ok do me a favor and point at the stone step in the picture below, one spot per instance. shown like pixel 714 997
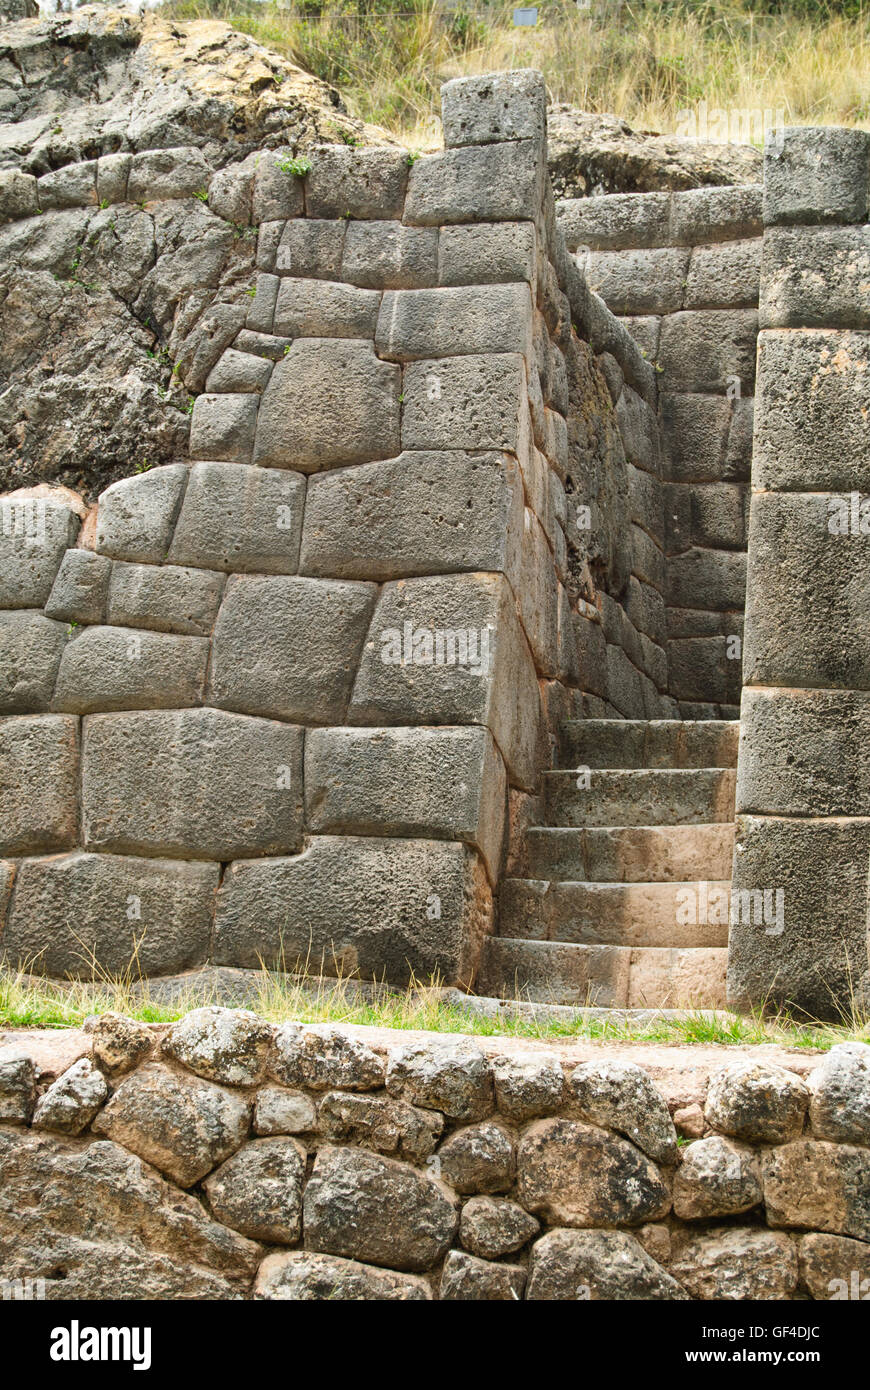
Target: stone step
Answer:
pixel 674 743
pixel 615 914
pixel 631 854
pixel 616 977
pixel 641 796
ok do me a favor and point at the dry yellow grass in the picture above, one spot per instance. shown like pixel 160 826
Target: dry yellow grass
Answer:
pixel 645 60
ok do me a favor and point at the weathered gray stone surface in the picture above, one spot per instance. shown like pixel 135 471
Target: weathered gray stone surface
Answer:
pixel 225 1045
pixel 468 1279
pixel 17 1085
pixel 476 183
pixel 446 783
pixel 35 533
pixel 493 1226
pixel 289 648
pixel 258 1191
pixel 389 1126
pixel 121 668
pixel 71 908
pixel 840 1094
pixel 324 910
pixel 317 309
pixel 198 784
pixel 240 519
pixel 493 107
pixel 733 1263
pixel 321 1056
pixel 817 175
pixel 757 1103
pixel 31 648
pixel 390 256
pixel 596 1265
pixel 574 1174
pixel 223 426
pixel 328 403
pixel 708 349
pixel 80 589
pixel 716 1178
pixel 183 1126
pixel 136 515
pixel 118 1043
pixel 239 371
pixel 470 402
pixel 278 1110
pixel 619 1095
pixel 452 1075
pixel 357 183
pixel 454 321
pixel 527 1086
pixel 165 598
pixel 485 252
pixel 816 1184
pixel 816 277
pixel 303 1276
pixel 39 785
pixel 834 1267
pixel 478 1158
pixel 787 768
pixel 71 1101
pixel 362 1206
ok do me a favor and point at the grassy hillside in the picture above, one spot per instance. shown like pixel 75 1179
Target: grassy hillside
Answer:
pixel 648 61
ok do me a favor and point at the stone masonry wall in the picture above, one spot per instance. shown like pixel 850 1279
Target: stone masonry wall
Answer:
pixel 682 272
pixel 802 791
pixel 227 1158
pixel 288 697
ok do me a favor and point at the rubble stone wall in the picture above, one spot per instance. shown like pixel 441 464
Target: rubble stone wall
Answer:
pixel 682 270
pixel 286 697
pixel 228 1158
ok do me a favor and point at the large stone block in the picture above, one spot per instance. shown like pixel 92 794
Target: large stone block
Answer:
pixel 73 913
pixel 615 220
pixel 320 309
pixel 726 276
pixel 164 598
pixel 597 1265
pixel 239 371
pixel 799 753
pixel 701 216
pixel 197 784
pixel 34 534
pixel 818 961
pixel 420 513
pixel 223 426
pixel 494 106
pixel 431 783
pixel 107 668
pixel 815 277
pixel 812 430
pixel 695 432
pixel 79 593
pixel 175 173
pixel 709 350
pixel 820 1185
pixel 578 1175
pixel 449 650
pixel 700 668
pixel 240 519
pixel 817 174
pixel 477 183
pixel 277 192
pixel 311 247
pixel 473 402
pixel 714 579
pixel 303 1276
pixel 390 256
pixel 329 403
pixel 456 320
pixel 639 282
pixel 485 253
pixel 39 757
pixel 808 600
pixel 31 648
pixel 381 908
pixel 289 648
pixel 136 515
pixel 345 181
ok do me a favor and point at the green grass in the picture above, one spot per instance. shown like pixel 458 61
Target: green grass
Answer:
pixel 27 1002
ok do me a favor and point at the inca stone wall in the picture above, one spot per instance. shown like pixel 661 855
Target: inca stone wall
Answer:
pixel 285 698
pixel 228 1158
pixel 802 793
pixel 682 272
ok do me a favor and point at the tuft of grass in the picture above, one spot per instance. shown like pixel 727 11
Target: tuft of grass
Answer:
pixel 644 60
pixel 27 1001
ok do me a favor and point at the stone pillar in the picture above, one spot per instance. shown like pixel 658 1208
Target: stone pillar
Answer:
pixel 803 787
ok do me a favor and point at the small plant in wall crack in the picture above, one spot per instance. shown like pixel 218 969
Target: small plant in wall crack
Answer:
pixel 298 165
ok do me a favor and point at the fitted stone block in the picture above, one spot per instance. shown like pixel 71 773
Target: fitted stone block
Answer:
pixel 320 309
pixel 223 427
pixel 75 185
pixel 31 648
pixel 798 752
pixel 639 432
pixel 473 402
pixel 105 668
pixel 711 515
pixel 818 962
pixel 34 534
pixel 72 911
pixel 277 192
pixel 726 276
pixel 817 174
pixel 289 648
pixel 80 590
pixel 639 282
pixel 457 320
pixel 808 614
pixel 695 432
pixel 699 216
pixel 449 650
pixel 175 173
pixel 261 314
pixel 17 195
pixel 709 350
pixel 615 220
pixel 815 277
pixel 477 183
pixel 164 598
pixel 329 403
pixel 431 783
pixel 345 181
pixel 813 411
pixel 39 758
pixel 700 668
pixel 485 253
pixel 240 519
pixel 494 106
pixel 713 579
pixel 266 345
pixel 136 515
pixel 380 908
pixel 196 784
pixel 420 513
pixel 390 256
pixel 311 247
pixel 239 371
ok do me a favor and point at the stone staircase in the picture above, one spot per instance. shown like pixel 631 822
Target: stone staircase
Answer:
pixel 636 813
